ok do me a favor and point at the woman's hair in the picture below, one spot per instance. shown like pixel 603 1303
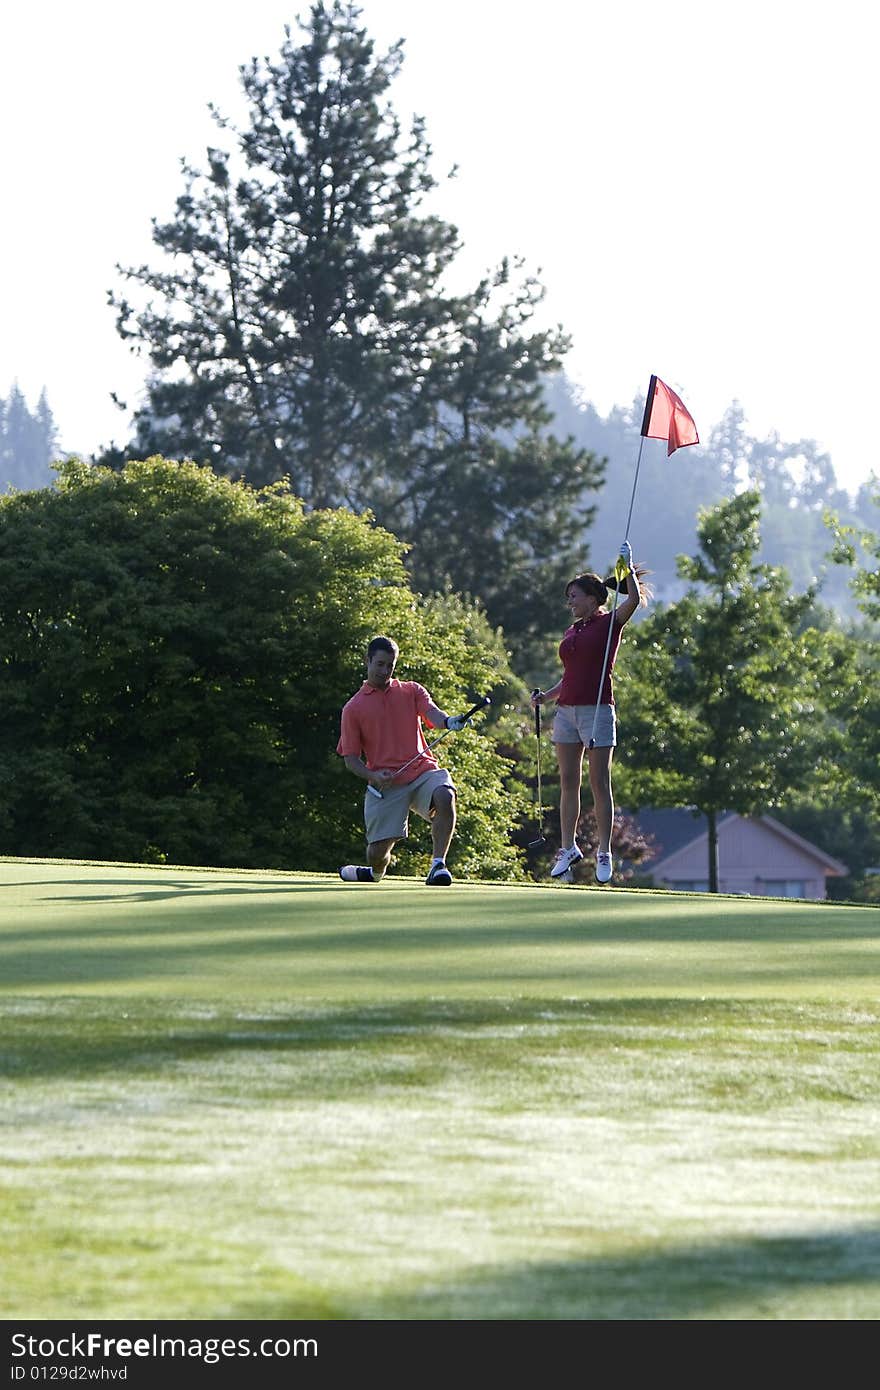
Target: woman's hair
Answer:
pixel 592 585
pixel 599 588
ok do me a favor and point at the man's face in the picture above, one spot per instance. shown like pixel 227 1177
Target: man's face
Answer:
pixel 380 669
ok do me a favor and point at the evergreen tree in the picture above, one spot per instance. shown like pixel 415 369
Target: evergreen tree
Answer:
pixel 304 332
pixel 28 443
pixel 47 430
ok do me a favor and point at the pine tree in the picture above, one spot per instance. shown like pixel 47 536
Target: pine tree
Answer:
pixel 304 330
pixel 47 430
pixel 27 443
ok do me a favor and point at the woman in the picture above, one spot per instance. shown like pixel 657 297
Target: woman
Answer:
pixel 583 721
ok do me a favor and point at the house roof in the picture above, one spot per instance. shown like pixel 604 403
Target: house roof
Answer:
pixel 832 866
pixel 674 828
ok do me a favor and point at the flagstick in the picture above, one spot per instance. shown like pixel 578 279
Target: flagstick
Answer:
pixel 604 668
pixel 635 484
pixel 632 499
pixel 678 429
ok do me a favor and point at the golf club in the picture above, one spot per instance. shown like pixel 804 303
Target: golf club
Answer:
pixel 542 839
pixel 481 704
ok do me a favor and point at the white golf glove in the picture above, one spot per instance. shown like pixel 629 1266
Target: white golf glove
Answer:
pixel 626 554
pixel 456 722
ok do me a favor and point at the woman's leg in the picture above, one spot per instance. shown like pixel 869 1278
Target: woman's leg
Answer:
pixel 603 800
pixel 570 757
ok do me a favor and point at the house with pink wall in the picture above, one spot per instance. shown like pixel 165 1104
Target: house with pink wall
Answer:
pixel 756 855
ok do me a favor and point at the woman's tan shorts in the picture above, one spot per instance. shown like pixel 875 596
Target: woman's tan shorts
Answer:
pixel 574 724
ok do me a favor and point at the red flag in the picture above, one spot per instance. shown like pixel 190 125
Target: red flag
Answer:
pixel 666 417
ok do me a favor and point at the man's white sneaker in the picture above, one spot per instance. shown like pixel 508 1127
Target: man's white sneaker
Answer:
pixel 356 873
pixel 604 868
pixel 564 860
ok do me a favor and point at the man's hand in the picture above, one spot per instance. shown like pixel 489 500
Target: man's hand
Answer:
pixel 456 722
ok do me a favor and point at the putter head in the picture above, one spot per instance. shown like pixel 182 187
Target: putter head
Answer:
pixel 537 844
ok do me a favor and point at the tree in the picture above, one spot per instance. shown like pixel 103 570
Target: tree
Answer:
pixel 304 330
pixel 848 540
pixel 859 704
pixel 175 650
pixel 838 805
pixel 503 531
pixel 866 505
pixel 722 689
pixel 27 442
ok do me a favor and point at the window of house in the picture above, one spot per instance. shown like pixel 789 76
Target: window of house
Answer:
pixel 784 888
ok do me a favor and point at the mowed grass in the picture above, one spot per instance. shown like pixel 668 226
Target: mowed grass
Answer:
pixel 253 1095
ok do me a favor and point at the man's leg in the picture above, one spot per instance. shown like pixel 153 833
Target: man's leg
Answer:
pixel 442 827
pixel 442 821
pixel 379 856
pixel 378 859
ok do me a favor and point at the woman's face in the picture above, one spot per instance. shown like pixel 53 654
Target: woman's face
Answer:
pixel 581 605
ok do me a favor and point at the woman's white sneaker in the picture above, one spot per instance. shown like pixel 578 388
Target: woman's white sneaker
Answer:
pixel 564 860
pixel 604 868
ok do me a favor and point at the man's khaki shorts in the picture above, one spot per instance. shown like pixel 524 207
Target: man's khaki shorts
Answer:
pixel 574 724
pixel 388 818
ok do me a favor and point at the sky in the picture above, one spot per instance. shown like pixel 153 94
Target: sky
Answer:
pixel 693 184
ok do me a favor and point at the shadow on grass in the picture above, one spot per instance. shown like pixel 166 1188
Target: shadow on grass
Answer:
pixel 742 1278
pixel 318 952
pixel 356 925
pixel 165 889
pixel 195 890
pixel 42 1038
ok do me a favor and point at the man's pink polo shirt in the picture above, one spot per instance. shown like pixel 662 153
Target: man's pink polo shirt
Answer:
pixel 385 726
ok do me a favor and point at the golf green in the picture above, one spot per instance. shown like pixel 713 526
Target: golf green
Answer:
pixel 263 1095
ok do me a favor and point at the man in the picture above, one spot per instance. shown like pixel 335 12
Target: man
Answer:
pixel 383 744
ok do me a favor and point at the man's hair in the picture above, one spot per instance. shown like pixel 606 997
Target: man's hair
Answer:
pixel 382 644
